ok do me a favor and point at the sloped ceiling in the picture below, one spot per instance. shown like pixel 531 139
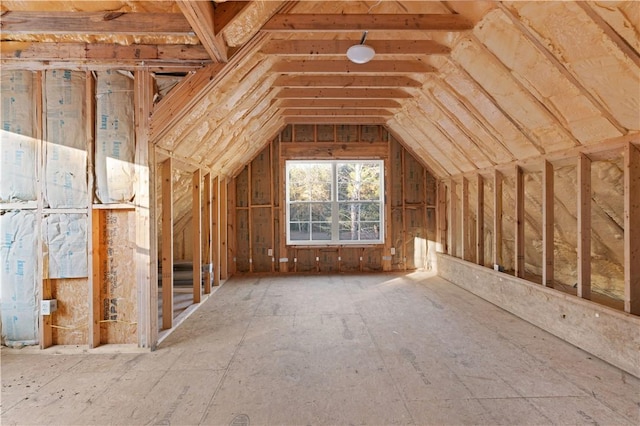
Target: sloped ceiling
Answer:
pixel 465 85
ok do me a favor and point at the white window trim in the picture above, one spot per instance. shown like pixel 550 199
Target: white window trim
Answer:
pixel 335 203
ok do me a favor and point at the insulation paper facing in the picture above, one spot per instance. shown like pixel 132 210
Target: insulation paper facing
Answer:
pixel 66 241
pixel 17 145
pixel 115 137
pixel 18 290
pixel 65 166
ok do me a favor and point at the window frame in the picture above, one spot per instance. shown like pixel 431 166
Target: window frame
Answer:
pixel 335 204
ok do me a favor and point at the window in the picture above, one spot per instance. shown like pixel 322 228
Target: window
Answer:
pixel 335 202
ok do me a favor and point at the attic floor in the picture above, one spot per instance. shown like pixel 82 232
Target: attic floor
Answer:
pixel 339 349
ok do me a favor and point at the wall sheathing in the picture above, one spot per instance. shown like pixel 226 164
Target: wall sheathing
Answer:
pixel 260 195
pixel 52 214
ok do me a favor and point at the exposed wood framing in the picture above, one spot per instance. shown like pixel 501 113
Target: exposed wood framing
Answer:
pixel 145 257
pixel 96 277
pixel 282 190
pixel 326 66
pixel 215 228
pixel 328 150
pixel 196 222
pixel 632 229
pixel 335 93
pixel 337 103
pixel 452 227
pixel 480 221
pixel 547 224
pixel 339 47
pixel 167 244
pixel 584 226
pixel 519 223
pixel 200 15
pixel 206 233
pixel 340 112
pixel 497 218
pixel 93 216
pixel 441 217
pixel 336 120
pixel 359 22
pixel 465 220
pixel 345 81
pixel 231 226
pixel 223 215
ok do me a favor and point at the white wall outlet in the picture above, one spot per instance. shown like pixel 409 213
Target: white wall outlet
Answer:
pixel 270 252
pixel 47 307
pixel 393 251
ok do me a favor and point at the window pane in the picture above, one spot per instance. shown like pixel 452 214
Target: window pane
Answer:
pixel 348 231
pixel 299 212
pixel 321 231
pixel 309 182
pixel 369 230
pixel 299 231
pixel 358 181
pixel 370 211
pixel 321 212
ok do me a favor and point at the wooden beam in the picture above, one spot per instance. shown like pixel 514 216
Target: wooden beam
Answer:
pixel 497 218
pixel 480 221
pixel 337 103
pixel 519 223
pixel 206 233
pixel 452 227
pixel 225 12
pixel 464 220
pixel 231 226
pixel 584 226
pixel 548 200
pixel 377 67
pixel 345 81
pixel 313 150
pixel 336 120
pixel 441 217
pixel 196 222
pixel 145 257
pixel 223 215
pixel 108 52
pixel 334 93
pixel 167 244
pixel 339 47
pixel 95 301
pixel 215 228
pixel 200 15
pixel 632 229
pixel 335 112
pixel 111 23
pixel 364 22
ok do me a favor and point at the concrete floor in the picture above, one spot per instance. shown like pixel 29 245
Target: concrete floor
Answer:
pixel 343 349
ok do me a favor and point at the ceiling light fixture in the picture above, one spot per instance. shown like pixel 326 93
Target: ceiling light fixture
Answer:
pixel 361 53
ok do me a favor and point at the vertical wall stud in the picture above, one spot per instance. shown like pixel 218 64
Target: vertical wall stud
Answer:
pixel 167 244
pixel 480 221
pixel 497 218
pixel 196 222
pixel 547 224
pixel 453 214
pixel 584 226
pixel 223 215
pixel 465 220
pixel 519 223
pixel 441 216
pixel 632 229
pixel 215 228
pixel 206 233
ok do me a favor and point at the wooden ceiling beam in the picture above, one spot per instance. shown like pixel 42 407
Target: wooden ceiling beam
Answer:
pixel 337 103
pixel 225 12
pixel 336 120
pixel 366 22
pixel 200 15
pixel 335 93
pixel 345 81
pixel 112 23
pixel 339 47
pixel 73 52
pixel 346 67
pixel 340 112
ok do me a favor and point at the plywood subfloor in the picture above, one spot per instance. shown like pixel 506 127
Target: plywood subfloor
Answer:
pixel 341 349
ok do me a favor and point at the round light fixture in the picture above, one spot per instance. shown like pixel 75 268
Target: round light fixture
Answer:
pixel 361 53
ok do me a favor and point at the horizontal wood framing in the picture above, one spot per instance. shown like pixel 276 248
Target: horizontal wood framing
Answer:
pixel 260 216
pixel 339 47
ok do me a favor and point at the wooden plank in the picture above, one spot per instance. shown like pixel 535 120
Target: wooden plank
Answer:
pixel 632 229
pixel 583 198
pixel 453 223
pixel 336 120
pixel 326 66
pixel 111 23
pixel 200 15
pixel 337 103
pixel 215 228
pixel 345 81
pixel 339 47
pixel 196 222
pixel 497 218
pixel 225 12
pixel 480 221
pixel 519 223
pixel 222 218
pixel 98 248
pixel 343 112
pixel 231 227
pixel 335 93
pixel 548 200
pixel 464 220
pixel 319 150
pixel 388 242
pixel 145 256
pixel 441 216
pixel 283 260
pixel 206 233
pixel 167 244
pixel 364 22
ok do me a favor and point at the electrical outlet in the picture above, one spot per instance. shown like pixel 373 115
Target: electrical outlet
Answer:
pixel 270 252
pixel 47 307
pixel 393 251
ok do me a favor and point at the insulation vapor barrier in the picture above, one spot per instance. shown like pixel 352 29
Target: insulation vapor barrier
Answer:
pixel 17 145
pixel 65 183
pixel 115 137
pixel 66 239
pixel 18 291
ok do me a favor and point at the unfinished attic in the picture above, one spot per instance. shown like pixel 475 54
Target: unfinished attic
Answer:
pixel 153 150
